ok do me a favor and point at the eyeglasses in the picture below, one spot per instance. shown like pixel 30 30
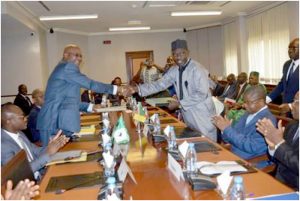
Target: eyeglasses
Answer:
pixel 252 102
pixel 21 117
pixel 75 54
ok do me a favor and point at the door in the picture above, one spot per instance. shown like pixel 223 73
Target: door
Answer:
pixel 133 60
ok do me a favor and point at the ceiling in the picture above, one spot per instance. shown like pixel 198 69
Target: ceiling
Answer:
pixel 118 13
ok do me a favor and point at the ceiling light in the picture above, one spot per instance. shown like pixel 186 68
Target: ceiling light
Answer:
pixel 129 28
pixel 195 13
pixel 68 17
pixel 161 5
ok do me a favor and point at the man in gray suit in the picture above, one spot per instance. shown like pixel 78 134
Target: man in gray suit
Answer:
pixel 62 96
pixel 190 80
pixel 13 140
pixel 230 89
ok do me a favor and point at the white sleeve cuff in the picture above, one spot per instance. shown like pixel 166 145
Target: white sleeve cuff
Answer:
pixel 115 90
pixel 290 106
pixel 90 108
pixel 268 99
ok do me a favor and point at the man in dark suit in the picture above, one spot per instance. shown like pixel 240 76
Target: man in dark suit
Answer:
pixel 89 96
pixel 22 100
pixel 289 83
pixel 13 140
pixel 38 98
pixel 246 141
pixel 62 96
pixel 284 146
pixel 230 88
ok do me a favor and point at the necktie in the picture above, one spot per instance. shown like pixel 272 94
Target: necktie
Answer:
pixel 291 72
pixel 296 136
pixel 25 147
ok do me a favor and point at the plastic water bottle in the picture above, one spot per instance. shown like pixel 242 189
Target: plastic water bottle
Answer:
pixel 172 139
pixel 237 191
pixel 157 125
pixel 111 188
pixel 191 159
pixel 104 100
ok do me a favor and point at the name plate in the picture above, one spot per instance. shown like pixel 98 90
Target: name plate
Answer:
pixel 175 167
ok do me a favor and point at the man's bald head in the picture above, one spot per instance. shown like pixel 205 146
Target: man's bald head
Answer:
pixel 72 53
pixel 255 92
pixel 12 118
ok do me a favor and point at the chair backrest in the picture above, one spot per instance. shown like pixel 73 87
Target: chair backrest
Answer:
pixel 17 169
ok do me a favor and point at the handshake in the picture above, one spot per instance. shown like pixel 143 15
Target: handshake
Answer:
pixel 127 90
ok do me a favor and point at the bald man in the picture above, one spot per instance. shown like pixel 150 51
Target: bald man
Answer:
pixel 246 141
pixel 13 140
pixel 62 106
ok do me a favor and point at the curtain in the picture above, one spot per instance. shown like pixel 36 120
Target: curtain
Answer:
pixel 230 48
pixel 268 39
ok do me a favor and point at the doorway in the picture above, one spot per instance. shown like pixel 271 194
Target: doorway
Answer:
pixel 133 60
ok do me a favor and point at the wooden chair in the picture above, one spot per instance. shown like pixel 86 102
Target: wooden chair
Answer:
pixel 16 169
pixel 270 168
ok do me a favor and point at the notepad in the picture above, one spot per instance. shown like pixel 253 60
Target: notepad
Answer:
pixel 112 109
pixel 67 156
pixel 209 168
pixel 75 181
pixel 87 130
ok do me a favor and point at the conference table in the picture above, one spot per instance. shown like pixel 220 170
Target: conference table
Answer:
pixel 150 169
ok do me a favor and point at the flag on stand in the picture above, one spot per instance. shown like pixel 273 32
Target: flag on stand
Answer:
pixel 140 116
pixel 120 133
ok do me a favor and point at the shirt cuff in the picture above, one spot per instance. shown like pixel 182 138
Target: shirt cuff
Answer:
pixel 272 151
pixel 115 90
pixel 90 107
pixel 290 106
pixel 268 99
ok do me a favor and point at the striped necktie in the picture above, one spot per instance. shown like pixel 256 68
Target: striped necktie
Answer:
pixel 25 147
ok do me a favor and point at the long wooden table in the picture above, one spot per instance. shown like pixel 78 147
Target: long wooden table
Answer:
pixel 154 180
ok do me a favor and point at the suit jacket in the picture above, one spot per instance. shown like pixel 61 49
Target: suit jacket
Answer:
pixel 287 157
pixel 230 93
pixel 238 95
pixel 246 141
pixel 9 148
pixel 31 125
pixel 62 100
pixel 23 103
pixel 197 106
pixel 289 88
pixel 85 97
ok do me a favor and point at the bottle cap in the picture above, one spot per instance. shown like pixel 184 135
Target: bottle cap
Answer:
pixel 111 180
pixel 238 179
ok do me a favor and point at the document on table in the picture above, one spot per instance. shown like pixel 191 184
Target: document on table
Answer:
pixel 67 156
pixel 209 168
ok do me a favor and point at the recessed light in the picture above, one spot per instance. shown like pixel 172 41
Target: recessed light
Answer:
pixel 68 17
pixel 195 13
pixel 129 28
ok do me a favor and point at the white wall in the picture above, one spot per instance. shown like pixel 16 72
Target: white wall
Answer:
pixel 108 61
pixel 206 47
pixel 20 57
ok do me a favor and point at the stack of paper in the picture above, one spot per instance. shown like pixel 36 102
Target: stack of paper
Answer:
pixel 87 130
pixel 67 156
pixel 209 168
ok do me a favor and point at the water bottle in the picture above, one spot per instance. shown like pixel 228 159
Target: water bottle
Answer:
pixel 111 188
pixel 104 100
pixel 191 159
pixel 172 139
pixel 237 191
pixel 157 125
pixel 109 170
pixel 105 117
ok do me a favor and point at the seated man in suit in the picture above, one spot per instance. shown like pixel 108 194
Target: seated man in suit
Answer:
pixel 13 140
pixel 89 96
pixel 116 99
pixel 283 144
pixel 230 88
pixel 246 141
pixel 22 100
pixel 289 83
pixel 38 99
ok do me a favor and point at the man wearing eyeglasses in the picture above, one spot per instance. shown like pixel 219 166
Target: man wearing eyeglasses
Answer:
pixel 284 146
pixel 62 106
pixel 245 140
pixel 289 83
